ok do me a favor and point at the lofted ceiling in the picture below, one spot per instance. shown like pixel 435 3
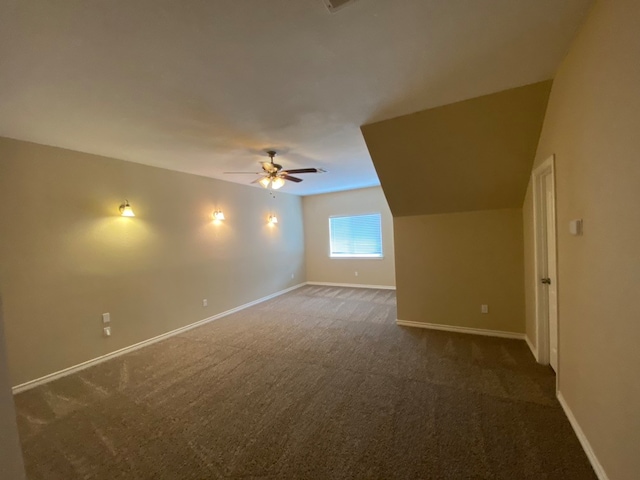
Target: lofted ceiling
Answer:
pixel 205 86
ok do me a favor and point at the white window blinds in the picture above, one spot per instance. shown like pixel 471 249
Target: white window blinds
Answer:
pixel 356 236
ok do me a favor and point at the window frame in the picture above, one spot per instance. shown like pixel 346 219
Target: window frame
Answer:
pixel 357 256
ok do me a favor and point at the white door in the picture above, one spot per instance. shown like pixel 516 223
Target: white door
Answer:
pixel 550 285
pixel 544 214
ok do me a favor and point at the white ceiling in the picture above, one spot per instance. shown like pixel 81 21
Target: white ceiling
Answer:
pixel 203 86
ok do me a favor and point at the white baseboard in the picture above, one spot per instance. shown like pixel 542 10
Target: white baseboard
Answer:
pixel 95 361
pixel 533 349
pixel 597 467
pixel 451 328
pixel 352 285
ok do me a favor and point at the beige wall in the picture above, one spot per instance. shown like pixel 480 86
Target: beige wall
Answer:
pixel 455 177
pixel 321 268
pixel 451 264
pixel 470 155
pixel 66 256
pixel 11 465
pixel 592 126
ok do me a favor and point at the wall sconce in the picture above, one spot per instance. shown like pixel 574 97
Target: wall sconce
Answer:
pixel 273 219
pixel 125 210
pixel 218 215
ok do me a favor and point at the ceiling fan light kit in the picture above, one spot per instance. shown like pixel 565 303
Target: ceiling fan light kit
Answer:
pixel 265 181
pixel 277 182
pixel 274 176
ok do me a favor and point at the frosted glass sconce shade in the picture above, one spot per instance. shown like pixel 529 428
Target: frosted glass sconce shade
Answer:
pixel 125 210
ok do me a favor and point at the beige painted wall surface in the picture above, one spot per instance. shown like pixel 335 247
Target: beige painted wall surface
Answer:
pixel 470 155
pixel 322 268
pixel 11 464
pixel 66 256
pixel 448 265
pixel 592 126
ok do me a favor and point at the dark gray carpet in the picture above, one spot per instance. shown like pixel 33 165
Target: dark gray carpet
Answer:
pixel 319 383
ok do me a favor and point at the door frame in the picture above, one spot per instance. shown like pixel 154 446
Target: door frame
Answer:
pixel 547 167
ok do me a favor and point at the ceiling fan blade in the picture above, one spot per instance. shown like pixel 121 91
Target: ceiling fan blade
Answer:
pixel 290 178
pixel 306 170
pixel 245 173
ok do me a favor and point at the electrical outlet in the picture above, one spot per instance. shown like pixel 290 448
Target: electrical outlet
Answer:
pixel 356 273
pixel 106 317
pixel 205 302
pixel 484 308
pixel 292 276
pixel 106 331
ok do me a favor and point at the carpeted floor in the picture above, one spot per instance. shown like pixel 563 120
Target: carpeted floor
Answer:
pixel 319 383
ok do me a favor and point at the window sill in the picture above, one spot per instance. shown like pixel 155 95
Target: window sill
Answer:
pixel 356 257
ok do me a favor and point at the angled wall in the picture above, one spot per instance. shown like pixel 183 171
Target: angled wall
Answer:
pixel 455 178
pixel 471 155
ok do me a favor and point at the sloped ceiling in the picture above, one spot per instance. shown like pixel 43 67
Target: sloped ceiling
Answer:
pixel 471 155
pixel 204 86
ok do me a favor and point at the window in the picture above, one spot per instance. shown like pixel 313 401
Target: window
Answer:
pixel 355 236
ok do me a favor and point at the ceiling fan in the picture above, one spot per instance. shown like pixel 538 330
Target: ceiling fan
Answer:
pixel 274 175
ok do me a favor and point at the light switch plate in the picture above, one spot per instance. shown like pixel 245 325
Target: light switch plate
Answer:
pixel 106 317
pixel 575 227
